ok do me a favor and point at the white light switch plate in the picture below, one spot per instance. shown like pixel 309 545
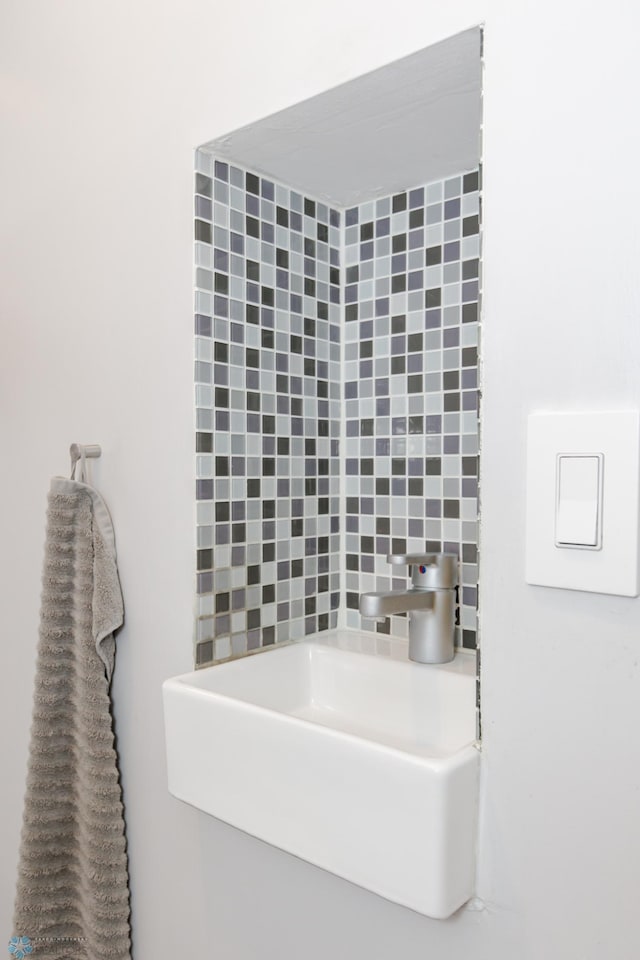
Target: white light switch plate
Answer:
pixel 614 567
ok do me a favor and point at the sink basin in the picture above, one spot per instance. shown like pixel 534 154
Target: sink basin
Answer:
pixel 362 763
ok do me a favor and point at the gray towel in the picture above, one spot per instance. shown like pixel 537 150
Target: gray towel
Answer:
pixel 72 897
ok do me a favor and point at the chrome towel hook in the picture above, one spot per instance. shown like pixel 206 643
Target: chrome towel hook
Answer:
pixel 79 454
pixel 79 450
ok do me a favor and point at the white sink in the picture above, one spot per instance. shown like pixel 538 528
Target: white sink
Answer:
pixel 361 763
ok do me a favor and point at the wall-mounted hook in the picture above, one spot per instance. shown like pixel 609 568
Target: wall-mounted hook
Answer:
pixel 79 450
pixel 79 455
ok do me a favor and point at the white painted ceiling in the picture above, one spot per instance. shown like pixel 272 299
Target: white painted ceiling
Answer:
pixel 412 121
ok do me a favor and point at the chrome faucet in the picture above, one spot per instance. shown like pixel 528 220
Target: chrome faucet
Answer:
pixel 430 603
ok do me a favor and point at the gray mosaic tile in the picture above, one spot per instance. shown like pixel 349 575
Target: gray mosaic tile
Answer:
pixel 410 368
pixel 253 377
pixel 269 325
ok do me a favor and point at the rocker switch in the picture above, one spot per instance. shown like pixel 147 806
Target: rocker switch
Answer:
pixel 579 501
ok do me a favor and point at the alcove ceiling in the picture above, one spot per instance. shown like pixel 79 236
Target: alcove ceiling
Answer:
pixel 412 121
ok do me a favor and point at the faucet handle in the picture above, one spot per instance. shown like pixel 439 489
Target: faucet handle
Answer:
pixel 426 559
pixel 430 571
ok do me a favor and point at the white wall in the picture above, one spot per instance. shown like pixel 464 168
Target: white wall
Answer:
pixel 102 105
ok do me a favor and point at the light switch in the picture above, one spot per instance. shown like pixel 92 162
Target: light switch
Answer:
pixel 583 501
pixel 579 501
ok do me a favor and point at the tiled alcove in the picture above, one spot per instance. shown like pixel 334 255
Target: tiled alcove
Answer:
pixel 317 327
pixel 337 272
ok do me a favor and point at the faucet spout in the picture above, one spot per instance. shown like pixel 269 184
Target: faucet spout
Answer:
pixel 375 605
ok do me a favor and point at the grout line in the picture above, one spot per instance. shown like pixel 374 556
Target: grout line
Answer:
pixel 342 551
pixel 480 388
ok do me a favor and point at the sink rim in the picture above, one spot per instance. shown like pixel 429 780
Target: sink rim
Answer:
pixel 463 668
pixel 383 646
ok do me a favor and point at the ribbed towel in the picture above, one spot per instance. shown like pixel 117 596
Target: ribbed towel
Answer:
pixel 72 897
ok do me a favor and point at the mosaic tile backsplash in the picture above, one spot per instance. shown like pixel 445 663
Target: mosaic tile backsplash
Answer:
pixel 268 411
pixel 317 327
pixel 412 265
